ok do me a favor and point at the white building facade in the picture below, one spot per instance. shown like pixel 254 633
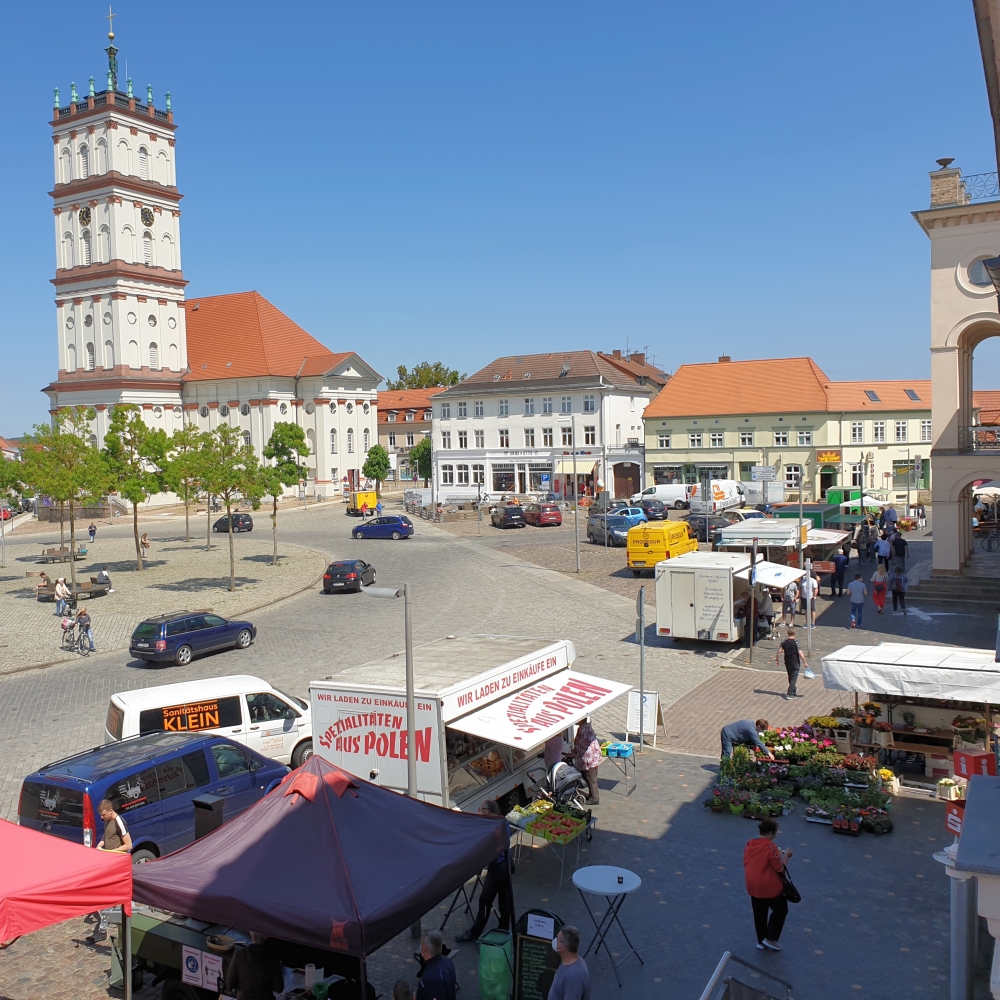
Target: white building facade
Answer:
pixel 516 426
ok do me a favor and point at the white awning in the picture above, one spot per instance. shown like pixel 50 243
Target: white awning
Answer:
pixel 585 465
pixel 769 574
pixel 527 718
pixel 953 673
pixel 866 501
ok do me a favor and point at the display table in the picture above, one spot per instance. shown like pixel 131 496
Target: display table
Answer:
pixel 625 763
pixel 614 884
pixel 520 845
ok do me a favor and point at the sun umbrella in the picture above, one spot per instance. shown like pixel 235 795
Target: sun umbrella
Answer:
pixel 865 502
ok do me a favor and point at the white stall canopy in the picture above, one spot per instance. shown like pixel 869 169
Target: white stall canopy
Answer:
pixel 952 673
pixel 769 574
pixel 529 717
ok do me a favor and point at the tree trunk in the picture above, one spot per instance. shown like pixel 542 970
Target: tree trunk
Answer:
pixel 232 563
pixel 274 525
pixel 135 532
pixel 62 524
pixel 187 515
pixel 208 525
pixel 72 549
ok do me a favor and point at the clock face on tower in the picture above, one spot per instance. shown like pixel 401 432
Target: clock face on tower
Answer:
pixel 147 216
pixel 85 216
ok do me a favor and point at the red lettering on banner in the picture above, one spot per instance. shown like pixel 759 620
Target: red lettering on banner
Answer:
pixel 369 741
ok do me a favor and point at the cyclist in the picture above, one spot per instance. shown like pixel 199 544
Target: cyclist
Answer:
pixel 85 628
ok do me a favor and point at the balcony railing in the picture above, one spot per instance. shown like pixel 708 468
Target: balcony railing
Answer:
pixel 982 187
pixel 979 439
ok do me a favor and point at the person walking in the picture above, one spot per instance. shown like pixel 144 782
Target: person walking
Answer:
pixel 840 564
pixel 872 541
pixel 85 627
pixel 62 595
pixel 862 541
pixel 587 751
pixel 744 733
pixel 763 868
pixel 880 585
pixel 900 549
pixel 809 591
pixel 496 885
pixel 891 517
pixel 897 586
pixel 378 508
pixel 858 591
pixel 572 978
pixel 92 531
pixel 144 545
pixel 788 598
pixel 884 550
pixel 793 661
pixel 921 516
pixel 437 974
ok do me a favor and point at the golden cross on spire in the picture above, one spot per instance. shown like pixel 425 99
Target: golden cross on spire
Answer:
pixel 111 23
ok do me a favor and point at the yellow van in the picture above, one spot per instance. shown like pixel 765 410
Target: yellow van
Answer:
pixel 356 503
pixel 655 541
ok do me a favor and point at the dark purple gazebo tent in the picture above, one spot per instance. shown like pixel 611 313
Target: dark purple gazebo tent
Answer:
pixel 325 860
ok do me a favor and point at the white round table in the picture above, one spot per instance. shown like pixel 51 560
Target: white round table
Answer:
pixel 614 884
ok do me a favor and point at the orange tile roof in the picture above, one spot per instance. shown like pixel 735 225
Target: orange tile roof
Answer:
pixel 731 387
pixel 405 399
pixel 243 336
pixel 987 402
pixel 891 395
pixel 637 368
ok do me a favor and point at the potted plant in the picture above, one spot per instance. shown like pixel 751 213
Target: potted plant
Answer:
pixel 909 718
pixel 949 790
pixel 718 802
pixel 738 802
pixel 889 781
pixel 883 734
pixel 864 724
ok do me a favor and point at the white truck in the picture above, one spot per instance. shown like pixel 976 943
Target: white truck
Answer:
pixel 695 593
pixel 485 706
pixel 723 494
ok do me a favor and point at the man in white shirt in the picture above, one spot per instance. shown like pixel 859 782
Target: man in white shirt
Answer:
pixel 809 589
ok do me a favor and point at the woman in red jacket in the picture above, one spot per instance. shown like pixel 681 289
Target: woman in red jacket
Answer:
pixel 763 865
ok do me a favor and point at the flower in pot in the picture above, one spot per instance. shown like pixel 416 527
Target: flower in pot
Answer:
pixel 864 724
pixel 718 802
pixel 883 733
pixel 738 802
pixel 909 718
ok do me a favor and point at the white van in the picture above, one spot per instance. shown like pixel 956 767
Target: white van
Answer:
pixel 243 708
pixel 669 494
pixel 726 493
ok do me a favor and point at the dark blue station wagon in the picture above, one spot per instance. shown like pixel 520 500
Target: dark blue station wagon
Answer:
pixel 178 637
pixel 151 781
pixel 390 526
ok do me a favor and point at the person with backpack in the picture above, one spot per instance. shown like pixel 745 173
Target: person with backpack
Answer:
pixel 897 586
pixel 764 869
pixel 880 586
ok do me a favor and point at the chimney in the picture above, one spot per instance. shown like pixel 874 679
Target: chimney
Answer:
pixel 724 357
pixel 946 185
pixel 639 359
pixel 617 355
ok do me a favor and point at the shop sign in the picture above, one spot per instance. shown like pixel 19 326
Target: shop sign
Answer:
pixel 829 457
pixel 822 566
pixel 763 473
pixel 970 763
pixel 954 813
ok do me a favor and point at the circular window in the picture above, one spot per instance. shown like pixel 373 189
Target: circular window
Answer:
pixel 131 317
pixel 70 322
pixel 333 407
pixel 204 411
pixel 177 411
pixel 310 408
pixel 172 323
pixel 223 410
pixel 366 407
pixel 350 407
pixel 151 320
pixel 157 412
pixel 978 275
pixel 88 320
pixel 245 409
pixel 107 319
pixel 283 408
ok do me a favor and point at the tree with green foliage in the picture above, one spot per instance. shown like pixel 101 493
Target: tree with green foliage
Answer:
pixel 10 483
pixel 135 455
pixel 424 376
pixel 286 447
pixel 59 462
pixel 182 472
pixel 230 472
pixel 420 459
pixel 376 465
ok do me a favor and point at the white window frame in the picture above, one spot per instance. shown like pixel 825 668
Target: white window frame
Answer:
pixel 446 440
pixel 716 439
pixel 695 440
pixel 462 477
pixel 781 439
pixel 504 410
pixel 805 439
pixel 504 437
pixel 529 437
pixel 567 437
pixel 463 439
pixel 590 403
pixel 463 408
pixel 546 404
pixel 529 406
pixel 446 411
pixel 878 432
pixel 590 434
pixel 793 476
pixel 478 475
pixel 746 439
pixel 902 431
pixel 663 441
pixel 392 439
pixel 547 438
pixel 447 475
pixel 566 404
pixel 478 408
pixel 926 431
pixel 857 432
pixel 480 439
pixel 410 439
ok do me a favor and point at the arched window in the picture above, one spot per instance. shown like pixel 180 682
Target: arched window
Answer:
pixel 93 440
pixel 162 167
pixel 102 157
pixel 127 246
pixel 173 358
pixel 154 357
pixel 166 252
pixel 109 354
pixel 133 354
pixel 71 357
pixel 91 359
pixel 333 442
pixel 67 250
pixel 84 162
pixel 204 411
pixel 246 439
pixel 143 163
pixel 366 440
pixel 66 166
pixel 147 248
pixel 350 440
pixel 86 256
pixel 104 245
pixel 124 156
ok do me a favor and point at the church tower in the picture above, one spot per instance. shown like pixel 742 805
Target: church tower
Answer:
pixel 119 287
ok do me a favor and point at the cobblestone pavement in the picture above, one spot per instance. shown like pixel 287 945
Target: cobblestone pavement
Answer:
pixel 177 575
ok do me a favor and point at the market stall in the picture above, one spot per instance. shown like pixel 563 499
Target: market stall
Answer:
pixel 326 861
pixel 779 539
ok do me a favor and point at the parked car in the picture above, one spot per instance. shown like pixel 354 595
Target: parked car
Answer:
pixel 541 514
pixel 391 526
pixel 348 574
pixel 615 526
pixel 655 509
pixel 241 522
pixel 151 781
pixel 635 515
pixel 178 637
pixel 6 513
pixel 697 523
pixel 735 514
pixel 508 517
pixel 669 494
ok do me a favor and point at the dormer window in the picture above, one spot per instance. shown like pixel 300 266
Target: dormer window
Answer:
pixel 392 418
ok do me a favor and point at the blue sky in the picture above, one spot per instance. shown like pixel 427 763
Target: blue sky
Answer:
pixel 460 181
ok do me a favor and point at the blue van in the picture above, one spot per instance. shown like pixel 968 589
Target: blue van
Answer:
pixel 151 781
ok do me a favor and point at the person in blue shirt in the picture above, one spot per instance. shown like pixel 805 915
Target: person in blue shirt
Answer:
pixel 840 564
pixel 437 976
pixel 744 733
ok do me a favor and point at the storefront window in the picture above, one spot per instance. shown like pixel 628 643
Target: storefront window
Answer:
pixel 503 478
pixel 665 474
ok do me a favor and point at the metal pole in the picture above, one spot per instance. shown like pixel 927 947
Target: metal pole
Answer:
pixel 126 953
pixel 411 707
pixel 641 628
pixel 963 937
pixel 479 506
pixel 576 496
pixel 364 980
pixel 753 593
pixel 909 476
pixel 3 539
pixel 801 488
pixel 809 608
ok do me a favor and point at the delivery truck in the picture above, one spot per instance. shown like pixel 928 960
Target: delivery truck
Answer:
pixel 654 541
pixel 722 494
pixel 696 593
pixel 485 707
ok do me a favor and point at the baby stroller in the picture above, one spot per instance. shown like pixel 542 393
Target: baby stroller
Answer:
pixel 565 786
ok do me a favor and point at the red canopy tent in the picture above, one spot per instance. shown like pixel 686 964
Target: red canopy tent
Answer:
pixel 45 879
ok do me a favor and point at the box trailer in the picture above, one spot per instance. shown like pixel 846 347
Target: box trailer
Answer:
pixel 695 593
pixel 485 707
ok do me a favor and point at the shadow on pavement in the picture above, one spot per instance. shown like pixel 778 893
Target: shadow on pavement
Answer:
pixel 197 583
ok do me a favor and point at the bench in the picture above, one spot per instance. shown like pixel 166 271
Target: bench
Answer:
pixel 62 555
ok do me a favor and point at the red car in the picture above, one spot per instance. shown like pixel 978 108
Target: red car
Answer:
pixel 6 513
pixel 541 514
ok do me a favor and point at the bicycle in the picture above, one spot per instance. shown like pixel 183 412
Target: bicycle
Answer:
pixel 73 637
pixel 992 541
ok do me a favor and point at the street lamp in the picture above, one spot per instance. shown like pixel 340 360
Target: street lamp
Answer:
pixel 576 490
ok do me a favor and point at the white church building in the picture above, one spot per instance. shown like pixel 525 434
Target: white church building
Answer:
pixel 126 332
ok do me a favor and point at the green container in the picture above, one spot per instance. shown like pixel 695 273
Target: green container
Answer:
pixel 496 965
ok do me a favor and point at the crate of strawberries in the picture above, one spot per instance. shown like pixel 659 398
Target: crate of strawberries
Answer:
pixel 556 827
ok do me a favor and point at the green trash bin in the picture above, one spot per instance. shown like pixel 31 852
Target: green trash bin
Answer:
pixel 496 965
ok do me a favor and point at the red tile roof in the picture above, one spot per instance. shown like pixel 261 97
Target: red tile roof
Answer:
pixel 243 336
pixel 640 369
pixel 405 399
pixel 891 395
pixel 582 366
pixel 987 402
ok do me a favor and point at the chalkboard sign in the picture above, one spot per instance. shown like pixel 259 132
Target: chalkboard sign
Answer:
pixel 534 974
